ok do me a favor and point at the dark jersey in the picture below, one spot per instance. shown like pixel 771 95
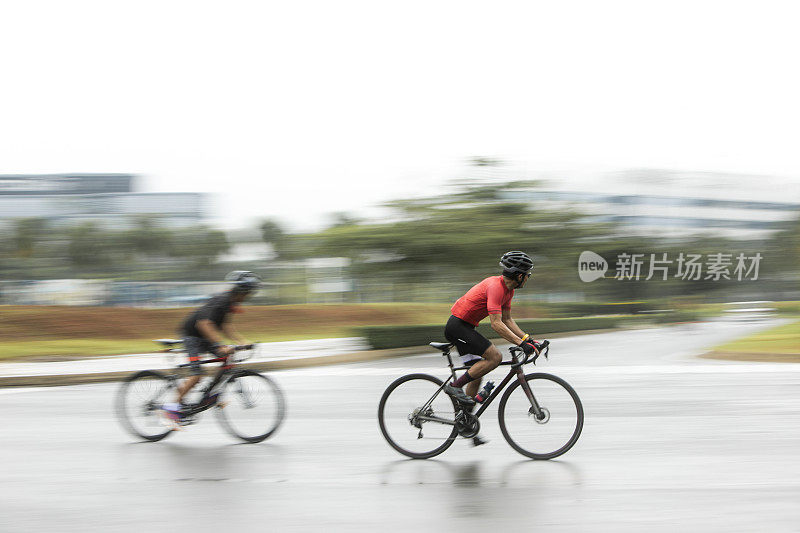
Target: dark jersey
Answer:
pixel 216 310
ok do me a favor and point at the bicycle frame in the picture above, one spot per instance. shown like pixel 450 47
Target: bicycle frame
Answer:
pixel 515 370
pixel 227 366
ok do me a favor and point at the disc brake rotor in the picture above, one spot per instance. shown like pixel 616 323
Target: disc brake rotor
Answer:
pixel 543 418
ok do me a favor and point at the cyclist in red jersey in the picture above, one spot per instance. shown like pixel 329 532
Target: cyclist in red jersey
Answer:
pixel 491 297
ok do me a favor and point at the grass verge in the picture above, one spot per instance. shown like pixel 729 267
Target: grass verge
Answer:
pixel 780 344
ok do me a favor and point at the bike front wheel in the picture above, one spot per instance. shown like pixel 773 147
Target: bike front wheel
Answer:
pixel 251 406
pixel 139 402
pixel 557 427
pixel 416 417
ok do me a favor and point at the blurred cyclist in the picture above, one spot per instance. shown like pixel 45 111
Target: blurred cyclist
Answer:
pixel 203 330
pixel 491 297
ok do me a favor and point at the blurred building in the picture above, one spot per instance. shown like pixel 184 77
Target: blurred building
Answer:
pixel 108 199
pixel 674 204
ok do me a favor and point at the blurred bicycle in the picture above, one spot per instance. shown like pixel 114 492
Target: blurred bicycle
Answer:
pixel 249 406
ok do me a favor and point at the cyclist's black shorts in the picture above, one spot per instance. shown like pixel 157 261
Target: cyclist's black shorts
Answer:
pixel 195 347
pixel 466 339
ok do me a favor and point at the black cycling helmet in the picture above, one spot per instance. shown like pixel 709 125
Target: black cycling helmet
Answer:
pixel 516 262
pixel 243 280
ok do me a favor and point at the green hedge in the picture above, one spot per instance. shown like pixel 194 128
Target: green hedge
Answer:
pixel 600 308
pixel 676 316
pixel 383 337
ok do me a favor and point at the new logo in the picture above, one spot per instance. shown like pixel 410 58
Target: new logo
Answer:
pixel 591 266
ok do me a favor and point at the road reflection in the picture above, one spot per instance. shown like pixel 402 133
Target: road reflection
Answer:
pixel 192 462
pixel 481 474
pixel 552 472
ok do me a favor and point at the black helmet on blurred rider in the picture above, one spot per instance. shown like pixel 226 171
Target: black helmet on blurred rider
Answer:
pixel 244 281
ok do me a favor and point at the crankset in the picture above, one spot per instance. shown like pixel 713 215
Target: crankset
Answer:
pixel 467 425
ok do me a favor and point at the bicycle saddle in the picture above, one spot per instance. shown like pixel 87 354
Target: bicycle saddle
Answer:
pixel 168 342
pixel 443 346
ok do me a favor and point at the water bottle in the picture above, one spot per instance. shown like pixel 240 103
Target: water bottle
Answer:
pixel 484 392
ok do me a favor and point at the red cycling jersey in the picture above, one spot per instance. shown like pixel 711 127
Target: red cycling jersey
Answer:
pixel 489 297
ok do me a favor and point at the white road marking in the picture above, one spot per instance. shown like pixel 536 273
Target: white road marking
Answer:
pixel 18 390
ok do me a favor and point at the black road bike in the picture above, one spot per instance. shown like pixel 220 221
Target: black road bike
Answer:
pixel 250 406
pixel 540 415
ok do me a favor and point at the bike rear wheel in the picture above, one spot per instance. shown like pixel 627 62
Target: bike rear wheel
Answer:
pixel 560 424
pixel 253 406
pixel 399 410
pixel 139 401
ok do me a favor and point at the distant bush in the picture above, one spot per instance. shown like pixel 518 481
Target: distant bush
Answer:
pixel 676 316
pixel 600 308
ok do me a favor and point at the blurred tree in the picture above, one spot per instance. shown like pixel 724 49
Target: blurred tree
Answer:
pixel 792 245
pixel 485 162
pixel 458 237
pixel 784 248
pixel 273 234
pixel 343 219
pixel 90 247
pixel 148 237
pixel 27 232
pixel 201 246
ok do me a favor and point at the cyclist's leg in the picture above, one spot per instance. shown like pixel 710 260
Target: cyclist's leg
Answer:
pixel 472 387
pixel 468 342
pixel 194 347
pixel 491 359
pixel 187 385
pixel 471 390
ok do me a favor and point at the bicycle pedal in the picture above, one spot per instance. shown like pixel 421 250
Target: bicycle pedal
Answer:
pixel 478 441
pixel 171 424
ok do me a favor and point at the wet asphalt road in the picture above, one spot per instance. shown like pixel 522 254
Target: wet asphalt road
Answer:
pixel 670 443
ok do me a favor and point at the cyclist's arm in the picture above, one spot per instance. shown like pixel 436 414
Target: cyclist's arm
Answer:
pixel 509 322
pixel 210 331
pixel 503 330
pixel 232 334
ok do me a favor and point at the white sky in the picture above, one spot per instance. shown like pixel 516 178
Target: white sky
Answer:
pixel 297 109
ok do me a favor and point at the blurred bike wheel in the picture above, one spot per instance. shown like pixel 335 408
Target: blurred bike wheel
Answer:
pixel 139 402
pixel 252 406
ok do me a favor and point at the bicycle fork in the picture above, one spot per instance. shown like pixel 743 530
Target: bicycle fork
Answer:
pixel 535 409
